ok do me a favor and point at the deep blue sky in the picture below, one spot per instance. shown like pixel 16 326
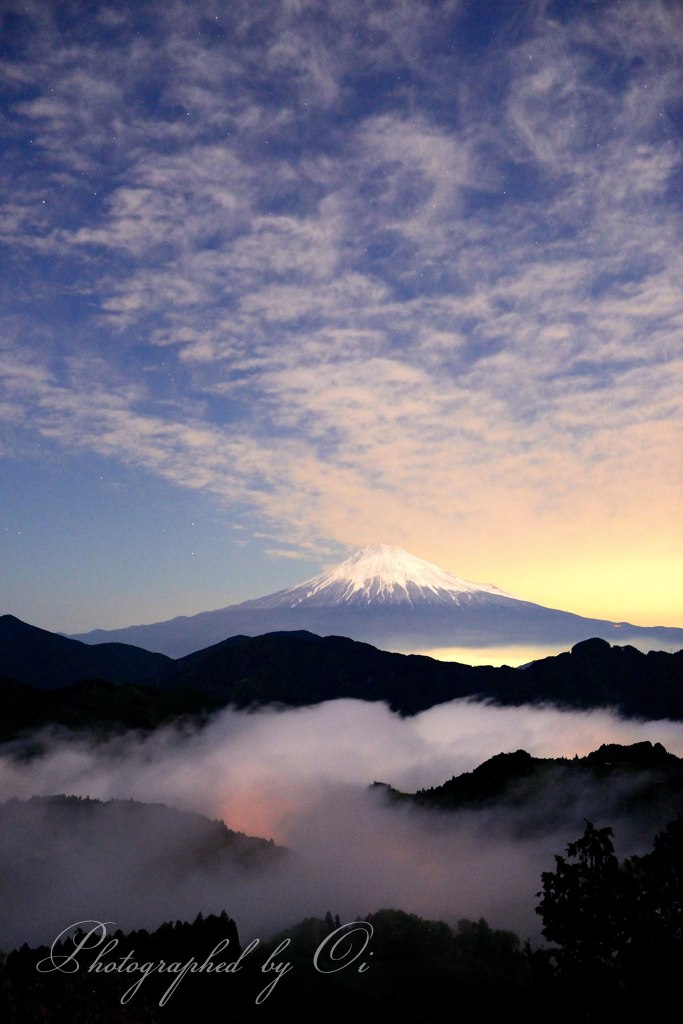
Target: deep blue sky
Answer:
pixel 281 279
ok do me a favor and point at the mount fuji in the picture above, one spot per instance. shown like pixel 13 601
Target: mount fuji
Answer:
pixel 389 598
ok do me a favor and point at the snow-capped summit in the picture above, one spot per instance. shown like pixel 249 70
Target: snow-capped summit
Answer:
pixel 379 574
pixel 384 596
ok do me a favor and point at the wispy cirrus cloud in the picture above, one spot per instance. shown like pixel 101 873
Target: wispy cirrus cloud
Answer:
pixel 368 273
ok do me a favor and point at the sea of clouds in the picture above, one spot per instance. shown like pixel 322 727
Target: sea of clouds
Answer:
pixel 301 777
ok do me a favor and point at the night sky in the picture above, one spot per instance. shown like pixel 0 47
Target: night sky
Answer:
pixel 284 278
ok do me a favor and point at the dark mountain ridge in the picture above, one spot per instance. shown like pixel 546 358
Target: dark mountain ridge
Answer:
pixel 47 660
pixel 300 668
pixel 641 782
pixel 98 706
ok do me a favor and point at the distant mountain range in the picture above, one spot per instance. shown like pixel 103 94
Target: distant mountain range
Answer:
pixel 48 679
pixel 384 596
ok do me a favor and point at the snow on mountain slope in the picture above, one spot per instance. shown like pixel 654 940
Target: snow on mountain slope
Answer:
pixel 379 574
pixel 384 596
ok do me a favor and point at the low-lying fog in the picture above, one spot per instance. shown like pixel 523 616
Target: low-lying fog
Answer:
pixel 299 776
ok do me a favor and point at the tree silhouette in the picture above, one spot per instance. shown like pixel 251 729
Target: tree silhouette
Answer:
pixel 653 959
pixel 584 911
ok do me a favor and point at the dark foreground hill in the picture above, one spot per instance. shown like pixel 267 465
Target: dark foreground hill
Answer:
pixel 65 860
pixel 616 955
pixel 47 660
pixel 415 968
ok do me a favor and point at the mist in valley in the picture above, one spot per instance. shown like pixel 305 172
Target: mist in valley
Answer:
pixel 299 777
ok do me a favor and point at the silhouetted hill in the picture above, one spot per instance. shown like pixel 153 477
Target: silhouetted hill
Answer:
pixel 640 781
pixel 66 858
pixel 414 968
pixel 47 660
pixel 301 668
